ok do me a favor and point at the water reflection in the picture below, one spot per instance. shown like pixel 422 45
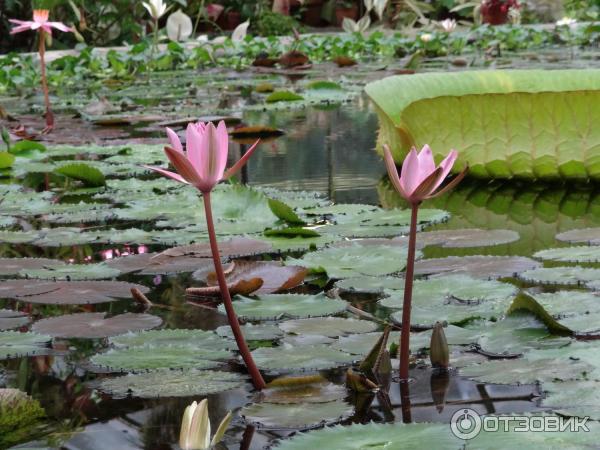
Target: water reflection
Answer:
pixel 536 211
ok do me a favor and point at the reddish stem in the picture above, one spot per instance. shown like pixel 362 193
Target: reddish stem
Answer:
pixel 42 52
pixel 408 287
pixel 234 323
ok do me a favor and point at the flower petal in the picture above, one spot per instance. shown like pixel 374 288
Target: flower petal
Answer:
pixel 223 148
pixel 167 173
pixel 174 140
pixel 241 162
pixel 26 26
pixel 426 162
pixel 425 188
pixel 446 166
pixel 60 26
pixel 453 182
pixel 410 175
pixel 195 148
pixel 392 171
pixel 183 167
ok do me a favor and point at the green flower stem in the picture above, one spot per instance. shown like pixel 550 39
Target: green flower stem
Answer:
pixel 234 323
pixel 408 287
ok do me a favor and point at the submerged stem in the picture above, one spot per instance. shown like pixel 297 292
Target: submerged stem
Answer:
pixel 408 287
pixel 234 323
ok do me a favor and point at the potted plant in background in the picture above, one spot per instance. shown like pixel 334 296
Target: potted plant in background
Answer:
pixel 496 12
pixel 345 9
pixel 311 12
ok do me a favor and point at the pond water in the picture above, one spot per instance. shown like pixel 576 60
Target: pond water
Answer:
pixel 330 151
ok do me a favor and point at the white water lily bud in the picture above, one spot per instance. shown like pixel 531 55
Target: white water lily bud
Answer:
pixel 156 8
pixel 179 26
pixel 240 31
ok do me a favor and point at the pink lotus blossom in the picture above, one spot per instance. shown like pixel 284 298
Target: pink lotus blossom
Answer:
pixel 214 10
pixel 203 162
pixel 40 21
pixel 420 178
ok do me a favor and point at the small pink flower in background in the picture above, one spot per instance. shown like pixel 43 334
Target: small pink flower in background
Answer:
pixel 40 21
pixel 214 10
pixel 420 178
pixel 203 162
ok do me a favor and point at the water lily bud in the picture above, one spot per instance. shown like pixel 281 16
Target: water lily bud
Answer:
pixel 438 349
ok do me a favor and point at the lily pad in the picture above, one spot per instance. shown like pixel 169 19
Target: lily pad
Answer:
pixel 327 326
pixel 261 332
pixel 73 292
pixel 152 357
pixel 354 260
pixel 12 266
pixel 574 398
pixel 590 236
pixel 232 248
pixel 560 275
pixel 14 344
pixel 176 337
pixel 172 383
pixel 302 390
pixel 397 436
pixel 289 306
pixel 580 254
pixel 296 415
pixel 526 371
pixel 369 285
pixel 459 287
pixel 10 319
pixel 288 358
pixel 72 272
pixel 479 266
pixel 94 325
pixel 470 237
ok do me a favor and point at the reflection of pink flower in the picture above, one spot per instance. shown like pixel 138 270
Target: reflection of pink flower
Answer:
pixel 203 163
pixel 40 21
pixel 214 10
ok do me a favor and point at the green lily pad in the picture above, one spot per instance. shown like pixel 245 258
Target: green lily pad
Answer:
pixel 90 176
pixel 260 332
pixel 18 237
pixel 283 96
pixel 470 237
pixel 459 287
pixel 296 415
pixel 320 391
pixel 369 285
pixel 287 244
pixel 12 266
pixel 152 357
pixel 311 357
pixel 72 272
pixel 354 260
pixel 172 383
pixel 580 254
pixel 526 371
pixel 574 398
pixel 177 337
pixel 14 344
pixel 560 275
pixel 327 326
pixel 397 436
pixel 290 306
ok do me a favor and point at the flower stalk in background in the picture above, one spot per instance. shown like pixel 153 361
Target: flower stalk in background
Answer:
pixel 195 427
pixel 44 27
pixel 419 180
pixel 156 9
pixel 202 165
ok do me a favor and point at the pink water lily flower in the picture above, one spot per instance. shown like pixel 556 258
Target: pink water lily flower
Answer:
pixel 40 21
pixel 203 162
pixel 420 178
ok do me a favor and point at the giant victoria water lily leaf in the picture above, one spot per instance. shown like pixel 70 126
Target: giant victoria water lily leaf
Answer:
pixel 521 123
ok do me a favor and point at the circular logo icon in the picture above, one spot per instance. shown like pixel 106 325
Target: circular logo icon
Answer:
pixel 465 424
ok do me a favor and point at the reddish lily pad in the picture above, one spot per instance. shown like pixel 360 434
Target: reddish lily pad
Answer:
pixel 10 319
pixel 275 276
pixel 469 237
pixel 478 266
pixel 179 264
pixel 95 325
pixel 131 263
pixel 228 249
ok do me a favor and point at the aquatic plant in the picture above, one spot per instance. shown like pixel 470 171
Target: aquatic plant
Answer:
pixel 195 427
pixel 156 9
pixel 419 180
pixel 202 165
pixel 44 28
